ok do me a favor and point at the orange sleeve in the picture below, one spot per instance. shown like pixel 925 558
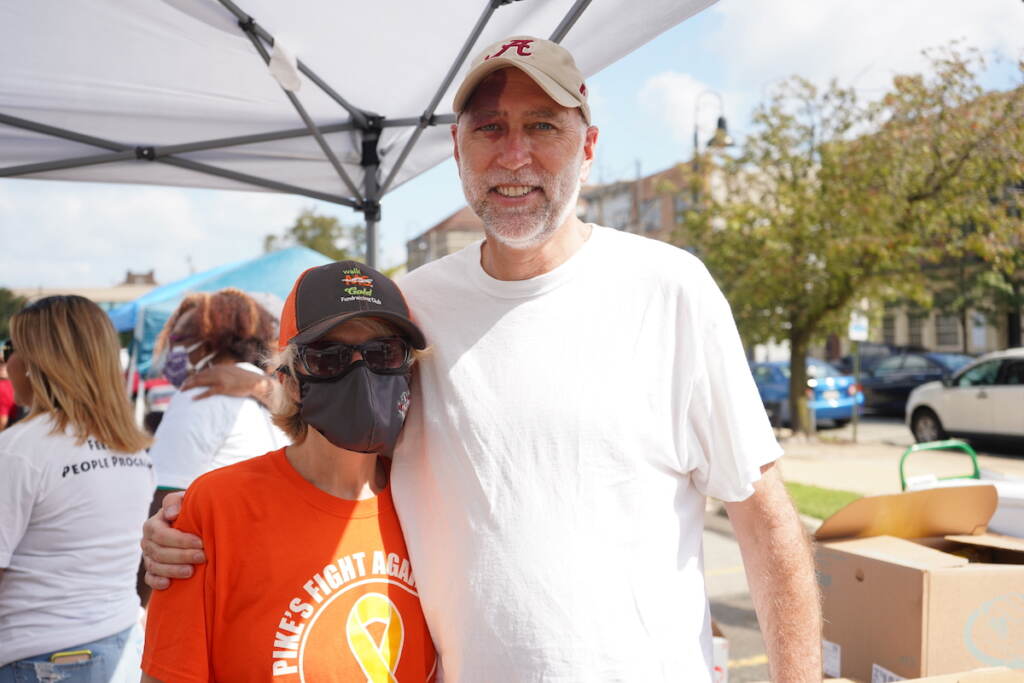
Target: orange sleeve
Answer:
pixel 179 623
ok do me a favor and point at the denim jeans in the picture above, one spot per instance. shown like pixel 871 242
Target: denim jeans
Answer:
pixel 106 654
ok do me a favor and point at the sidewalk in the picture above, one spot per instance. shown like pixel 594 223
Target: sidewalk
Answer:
pixel 871 466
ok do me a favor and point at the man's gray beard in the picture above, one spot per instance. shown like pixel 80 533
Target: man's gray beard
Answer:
pixel 530 227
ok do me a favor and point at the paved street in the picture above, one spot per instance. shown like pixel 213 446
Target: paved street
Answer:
pixel 731 606
pixel 869 466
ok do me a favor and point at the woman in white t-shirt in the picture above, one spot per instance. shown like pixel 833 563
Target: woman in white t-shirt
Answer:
pixel 211 329
pixel 75 486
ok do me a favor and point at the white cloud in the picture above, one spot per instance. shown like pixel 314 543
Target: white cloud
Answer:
pixel 673 95
pixel 863 43
pixel 755 45
pixel 71 234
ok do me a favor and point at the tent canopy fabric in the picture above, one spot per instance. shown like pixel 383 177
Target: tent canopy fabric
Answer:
pixel 268 278
pixel 109 91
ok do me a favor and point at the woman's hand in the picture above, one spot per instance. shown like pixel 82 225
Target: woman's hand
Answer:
pixel 230 380
pixel 166 552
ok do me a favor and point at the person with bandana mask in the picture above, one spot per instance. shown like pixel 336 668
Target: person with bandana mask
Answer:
pixel 307 576
pixel 225 328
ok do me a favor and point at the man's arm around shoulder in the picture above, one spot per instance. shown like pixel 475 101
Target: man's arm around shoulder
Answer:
pixel 780 571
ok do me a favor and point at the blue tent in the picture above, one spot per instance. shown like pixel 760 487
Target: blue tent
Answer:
pixel 268 278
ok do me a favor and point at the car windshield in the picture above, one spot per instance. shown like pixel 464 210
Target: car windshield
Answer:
pixel 952 361
pixel 815 368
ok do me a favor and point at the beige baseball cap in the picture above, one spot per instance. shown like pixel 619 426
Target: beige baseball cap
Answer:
pixel 549 65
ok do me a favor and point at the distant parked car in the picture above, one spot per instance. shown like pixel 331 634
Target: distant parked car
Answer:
pixel 831 394
pixel 984 399
pixel 871 354
pixel 887 387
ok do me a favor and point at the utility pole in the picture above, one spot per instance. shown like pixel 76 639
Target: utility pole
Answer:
pixel 636 199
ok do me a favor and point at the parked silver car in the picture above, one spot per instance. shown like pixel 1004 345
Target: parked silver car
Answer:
pixel 983 399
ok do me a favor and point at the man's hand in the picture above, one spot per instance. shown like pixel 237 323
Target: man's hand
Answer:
pixel 230 380
pixel 780 571
pixel 168 553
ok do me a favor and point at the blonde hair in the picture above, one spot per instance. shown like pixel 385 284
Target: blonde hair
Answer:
pixel 71 355
pixel 284 404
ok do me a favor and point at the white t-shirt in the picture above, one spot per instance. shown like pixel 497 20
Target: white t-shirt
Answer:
pixel 195 437
pixel 70 524
pixel 552 475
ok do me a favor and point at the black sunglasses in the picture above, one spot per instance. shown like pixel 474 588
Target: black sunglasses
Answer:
pixel 328 360
pixel 7 349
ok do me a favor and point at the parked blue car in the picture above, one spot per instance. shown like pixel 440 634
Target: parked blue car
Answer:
pixel 832 395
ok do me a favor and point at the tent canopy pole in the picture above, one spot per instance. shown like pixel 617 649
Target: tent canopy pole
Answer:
pixel 303 114
pixel 183 148
pixel 368 124
pixel 570 19
pixel 371 166
pixel 427 118
pixel 357 114
pixel 148 154
pixel 259 182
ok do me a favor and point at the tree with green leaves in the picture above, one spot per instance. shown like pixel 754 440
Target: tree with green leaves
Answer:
pixel 833 199
pixel 10 303
pixel 325 234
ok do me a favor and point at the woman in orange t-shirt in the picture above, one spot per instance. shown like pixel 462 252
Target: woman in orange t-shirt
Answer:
pixel 307 575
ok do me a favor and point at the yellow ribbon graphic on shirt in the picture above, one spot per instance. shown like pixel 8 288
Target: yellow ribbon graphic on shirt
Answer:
pixel 379 661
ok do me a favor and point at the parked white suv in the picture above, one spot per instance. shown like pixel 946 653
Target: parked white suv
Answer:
pixel 984 399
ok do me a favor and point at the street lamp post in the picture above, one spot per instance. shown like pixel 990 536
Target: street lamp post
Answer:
pixel 718 140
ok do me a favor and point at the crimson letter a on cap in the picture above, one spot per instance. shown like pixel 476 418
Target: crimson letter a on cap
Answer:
pixel 521 46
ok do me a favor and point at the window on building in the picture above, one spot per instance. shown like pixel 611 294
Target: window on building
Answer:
pixel 680 204
pixel 889 328
pixel 947 330
pixel 915 328
pixel 650 215
pixel 979 332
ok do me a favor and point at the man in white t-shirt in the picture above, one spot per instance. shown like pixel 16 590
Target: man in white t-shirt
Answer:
pixel 586 390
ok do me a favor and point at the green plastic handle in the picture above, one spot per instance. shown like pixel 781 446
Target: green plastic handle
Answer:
pixel 947 445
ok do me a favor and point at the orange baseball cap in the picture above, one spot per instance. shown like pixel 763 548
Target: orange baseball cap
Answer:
pixel 328 295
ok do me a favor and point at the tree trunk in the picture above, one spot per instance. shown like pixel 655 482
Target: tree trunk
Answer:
pixel 798 411
pixel 1013 318
pixel 964 326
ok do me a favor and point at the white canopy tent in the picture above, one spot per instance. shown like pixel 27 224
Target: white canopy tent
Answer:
pixel 178 92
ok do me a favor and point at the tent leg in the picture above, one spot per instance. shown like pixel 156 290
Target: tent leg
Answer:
pixel 371 243
pixel 371 210
pixel 371 185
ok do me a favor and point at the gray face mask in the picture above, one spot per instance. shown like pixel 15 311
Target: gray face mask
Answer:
pixel 359 411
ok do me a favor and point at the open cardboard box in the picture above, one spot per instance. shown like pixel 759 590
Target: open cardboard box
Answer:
pixel 914 586
pixel 999 674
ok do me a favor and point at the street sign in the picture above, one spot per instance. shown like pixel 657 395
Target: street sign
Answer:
pixel 858 326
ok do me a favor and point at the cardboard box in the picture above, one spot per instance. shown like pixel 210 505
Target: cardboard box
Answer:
pixel 914 586
pixel 993 675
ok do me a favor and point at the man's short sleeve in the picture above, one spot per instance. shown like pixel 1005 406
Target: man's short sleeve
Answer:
pixel 729 436
pixel 19 484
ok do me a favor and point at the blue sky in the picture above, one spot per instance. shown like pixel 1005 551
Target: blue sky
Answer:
pixel 58 234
